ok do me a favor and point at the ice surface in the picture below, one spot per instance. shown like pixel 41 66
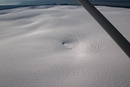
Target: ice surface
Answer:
pixel 62 46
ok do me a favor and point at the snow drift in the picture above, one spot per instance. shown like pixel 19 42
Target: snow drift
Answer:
pixel 61 46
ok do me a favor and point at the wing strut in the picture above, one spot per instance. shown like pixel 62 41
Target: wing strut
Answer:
pixel 107 26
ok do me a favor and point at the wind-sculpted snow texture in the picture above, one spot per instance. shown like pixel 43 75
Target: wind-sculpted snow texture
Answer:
pixel 62 46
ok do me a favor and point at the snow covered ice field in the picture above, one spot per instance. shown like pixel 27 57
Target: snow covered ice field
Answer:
pixel 62 46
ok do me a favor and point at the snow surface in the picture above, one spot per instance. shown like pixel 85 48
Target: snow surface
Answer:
pixel 62 46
